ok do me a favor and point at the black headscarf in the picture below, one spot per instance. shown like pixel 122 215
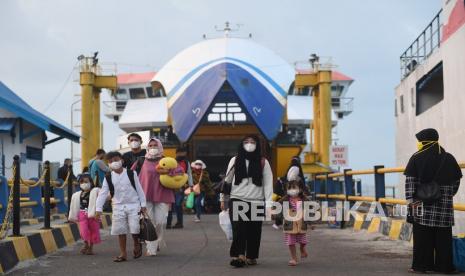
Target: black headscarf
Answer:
pixel 426 162
pixel 295 162
pixel 255 170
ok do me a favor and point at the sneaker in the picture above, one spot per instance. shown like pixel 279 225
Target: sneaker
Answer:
pixel 168 227
pixel 178 226
pixel 196 219
pixel 275 226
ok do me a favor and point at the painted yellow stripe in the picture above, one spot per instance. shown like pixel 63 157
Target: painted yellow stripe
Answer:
pixel 374 225
pixel 49 241
pixel 359 218
pixel 396 226
pixel 66 230
pixel 22 247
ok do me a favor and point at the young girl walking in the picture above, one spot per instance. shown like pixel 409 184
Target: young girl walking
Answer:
pixel 294 225
pixel 82 210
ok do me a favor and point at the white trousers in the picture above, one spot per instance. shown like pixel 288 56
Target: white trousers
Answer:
pixel 158 213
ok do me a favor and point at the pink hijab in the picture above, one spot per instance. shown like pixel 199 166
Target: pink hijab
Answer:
pixel 150 179
pixel 160 149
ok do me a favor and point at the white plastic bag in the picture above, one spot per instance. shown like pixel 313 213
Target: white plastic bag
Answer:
pixel 225 224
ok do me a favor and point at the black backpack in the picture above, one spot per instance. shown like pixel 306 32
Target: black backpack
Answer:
pixel 111 187
pixel 430 192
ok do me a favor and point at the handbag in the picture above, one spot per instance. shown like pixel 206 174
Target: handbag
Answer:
pixel 196 187
pixel 226 183
pixel 147 229
pixel 190 201
pixel 430 192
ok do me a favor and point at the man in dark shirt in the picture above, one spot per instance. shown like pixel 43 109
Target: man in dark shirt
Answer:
pixel 63 171
pixel 136 153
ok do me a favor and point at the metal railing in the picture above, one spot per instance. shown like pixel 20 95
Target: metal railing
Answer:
pixel 422 47
pixel 327 186
pixel 39 197
pixel 345 107
pixel 114 107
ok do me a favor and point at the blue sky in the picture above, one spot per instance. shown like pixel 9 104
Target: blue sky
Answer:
pixel 40 41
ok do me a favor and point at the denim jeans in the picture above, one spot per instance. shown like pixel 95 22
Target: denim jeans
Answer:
pixel 198 204
pixel 177 207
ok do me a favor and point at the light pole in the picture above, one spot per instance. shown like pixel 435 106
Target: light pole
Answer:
pixel 72 126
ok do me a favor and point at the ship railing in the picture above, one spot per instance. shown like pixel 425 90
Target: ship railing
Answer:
pixel 345 106
pixel 114 107
pixel 422 47
pixel 341 186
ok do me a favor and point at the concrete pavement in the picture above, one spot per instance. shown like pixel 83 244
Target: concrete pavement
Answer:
pixel 202 249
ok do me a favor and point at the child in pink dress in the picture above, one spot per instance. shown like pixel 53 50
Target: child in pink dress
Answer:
pixel 82 210
pixel 295 230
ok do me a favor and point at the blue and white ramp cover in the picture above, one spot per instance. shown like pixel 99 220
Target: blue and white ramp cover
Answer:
pixel 193 78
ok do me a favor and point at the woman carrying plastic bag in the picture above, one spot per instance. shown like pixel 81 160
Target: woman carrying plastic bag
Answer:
pixel 225 224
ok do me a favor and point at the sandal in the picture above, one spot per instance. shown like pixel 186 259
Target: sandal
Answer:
pixel 237 263
pixel 137 253
pixel 89 252
pixel 251 261
pixel 292 263
pixel 84 249
pixel 119 259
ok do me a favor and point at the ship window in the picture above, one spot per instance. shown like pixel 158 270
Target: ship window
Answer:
pixel 395 108
pixel 240 117
pixel 213 117
pixel 154 94
pixel 226 113
pixel 121 94
pixel 158 89
pixel 34 153
pixel 430 89
pixel 137 93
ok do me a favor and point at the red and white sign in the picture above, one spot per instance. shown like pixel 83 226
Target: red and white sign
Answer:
pixel 339 156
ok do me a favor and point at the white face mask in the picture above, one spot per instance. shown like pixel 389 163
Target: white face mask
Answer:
pixel 134 144
pixel 116 165
pixel 85 186
pixel 153 152
pixel 250 147
pixel 293 192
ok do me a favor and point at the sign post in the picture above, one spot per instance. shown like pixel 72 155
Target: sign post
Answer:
pixel 339 156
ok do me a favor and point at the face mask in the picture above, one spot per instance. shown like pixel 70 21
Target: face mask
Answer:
pixel 249 147
pixel 134 144
pixel 153 152
pixel 85 186
pixel 421 146
pixel 116 165
pixel 293 192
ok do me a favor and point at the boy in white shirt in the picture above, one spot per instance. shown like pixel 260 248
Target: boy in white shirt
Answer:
pixel 128 199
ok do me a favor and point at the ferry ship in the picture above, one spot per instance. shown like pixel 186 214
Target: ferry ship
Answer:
pixel 432 86
pixel 213 93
